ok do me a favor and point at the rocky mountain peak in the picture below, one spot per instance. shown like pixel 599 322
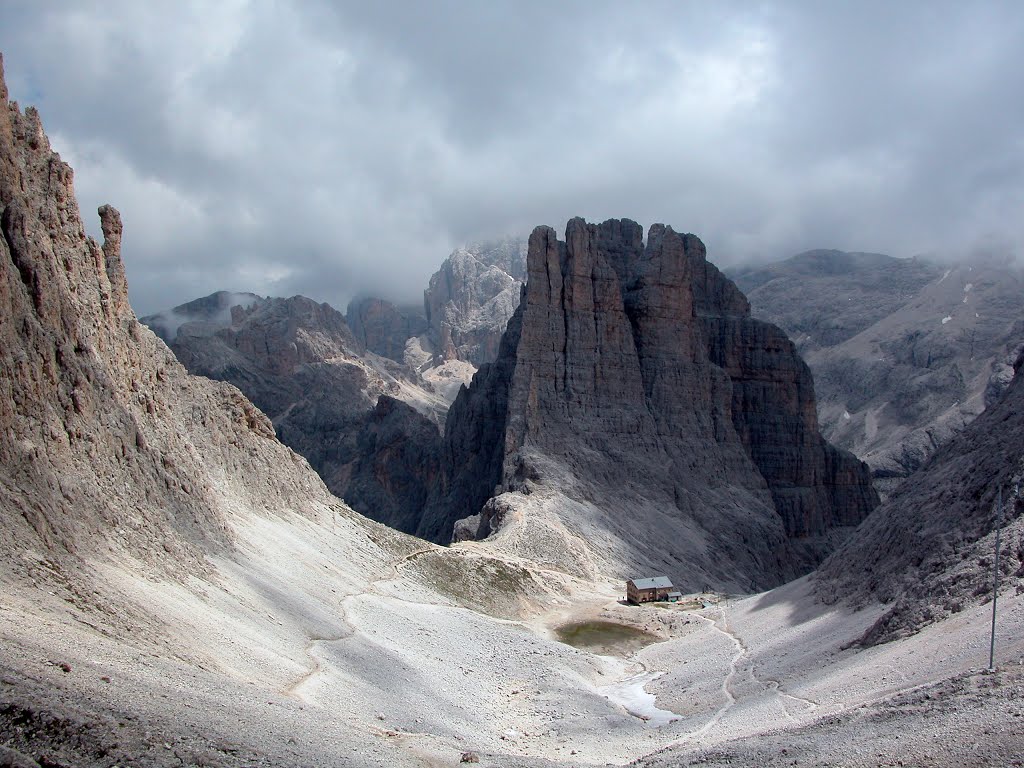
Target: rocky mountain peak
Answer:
pixel 471 297
pixel 213 312
pixel 109 451
pixel 633 380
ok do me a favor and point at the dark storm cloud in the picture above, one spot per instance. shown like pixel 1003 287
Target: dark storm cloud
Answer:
pixel 336 148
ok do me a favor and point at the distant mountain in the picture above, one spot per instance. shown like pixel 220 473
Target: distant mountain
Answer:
pixel 637 419
pixel 361 396
pixel 904 352
pixel 214 310
pixel 928 550
pixel 466 306
pixel 383 327
pixel 822 298
pixel 472 296
pixel 324 391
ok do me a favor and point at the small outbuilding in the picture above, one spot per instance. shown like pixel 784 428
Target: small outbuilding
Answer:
pixel 649 590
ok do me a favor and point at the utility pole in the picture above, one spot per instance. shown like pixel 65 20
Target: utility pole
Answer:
pixel 995 582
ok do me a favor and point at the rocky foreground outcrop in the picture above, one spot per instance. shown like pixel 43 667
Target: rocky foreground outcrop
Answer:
pixel 633 380
pixel 109 451
pixel 928 551
pixel 905 352
pixel 325 393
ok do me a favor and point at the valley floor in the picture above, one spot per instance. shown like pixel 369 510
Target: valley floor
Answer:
pixel 283 658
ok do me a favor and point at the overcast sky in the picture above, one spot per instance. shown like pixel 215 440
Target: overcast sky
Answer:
pixel 337 148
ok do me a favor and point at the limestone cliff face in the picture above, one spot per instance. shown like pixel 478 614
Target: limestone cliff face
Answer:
pixel 815 486
pixel 397 461
pixel 109 450
pixel 636 369
pixel 471 297
pixel 474 442
pixel 383 328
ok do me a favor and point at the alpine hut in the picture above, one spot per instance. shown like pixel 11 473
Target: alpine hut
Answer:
pixel 648 590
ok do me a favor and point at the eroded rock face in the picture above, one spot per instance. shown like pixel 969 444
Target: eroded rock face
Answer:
pixel 109 450
pixel 397 460
pixel 302 365
pixel 815 486
pixel 637 370
pixel 471 297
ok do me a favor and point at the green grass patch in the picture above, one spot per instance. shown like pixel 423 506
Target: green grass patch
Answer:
pixel 483 584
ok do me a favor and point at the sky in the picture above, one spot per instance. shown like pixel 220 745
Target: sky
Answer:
pixel 334 149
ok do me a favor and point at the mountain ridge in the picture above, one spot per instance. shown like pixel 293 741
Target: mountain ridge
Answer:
pixel 327 395
pixel 905 352
pixel 926 552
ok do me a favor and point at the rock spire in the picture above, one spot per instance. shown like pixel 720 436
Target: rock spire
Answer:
pixel 632 379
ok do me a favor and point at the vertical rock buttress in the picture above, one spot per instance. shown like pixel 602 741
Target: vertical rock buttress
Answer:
pixel 637 367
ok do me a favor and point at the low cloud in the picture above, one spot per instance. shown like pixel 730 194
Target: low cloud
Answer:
pixel 332 149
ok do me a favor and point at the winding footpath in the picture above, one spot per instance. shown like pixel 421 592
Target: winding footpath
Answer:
pixel 729 683
pixel 730 698
pixel 314 643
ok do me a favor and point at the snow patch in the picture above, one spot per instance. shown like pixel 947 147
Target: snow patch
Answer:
pixel 946 319
pixel 968 287
pixel 846 415
pixel 945 275
pixel 631 696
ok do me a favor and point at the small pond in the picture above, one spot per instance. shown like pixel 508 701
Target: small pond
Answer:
pixel 605 637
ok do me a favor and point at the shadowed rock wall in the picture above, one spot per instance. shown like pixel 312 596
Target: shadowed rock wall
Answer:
pixel 639 369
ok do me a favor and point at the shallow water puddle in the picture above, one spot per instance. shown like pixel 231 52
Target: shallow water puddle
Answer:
pixel 606 637
pixel 612 638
